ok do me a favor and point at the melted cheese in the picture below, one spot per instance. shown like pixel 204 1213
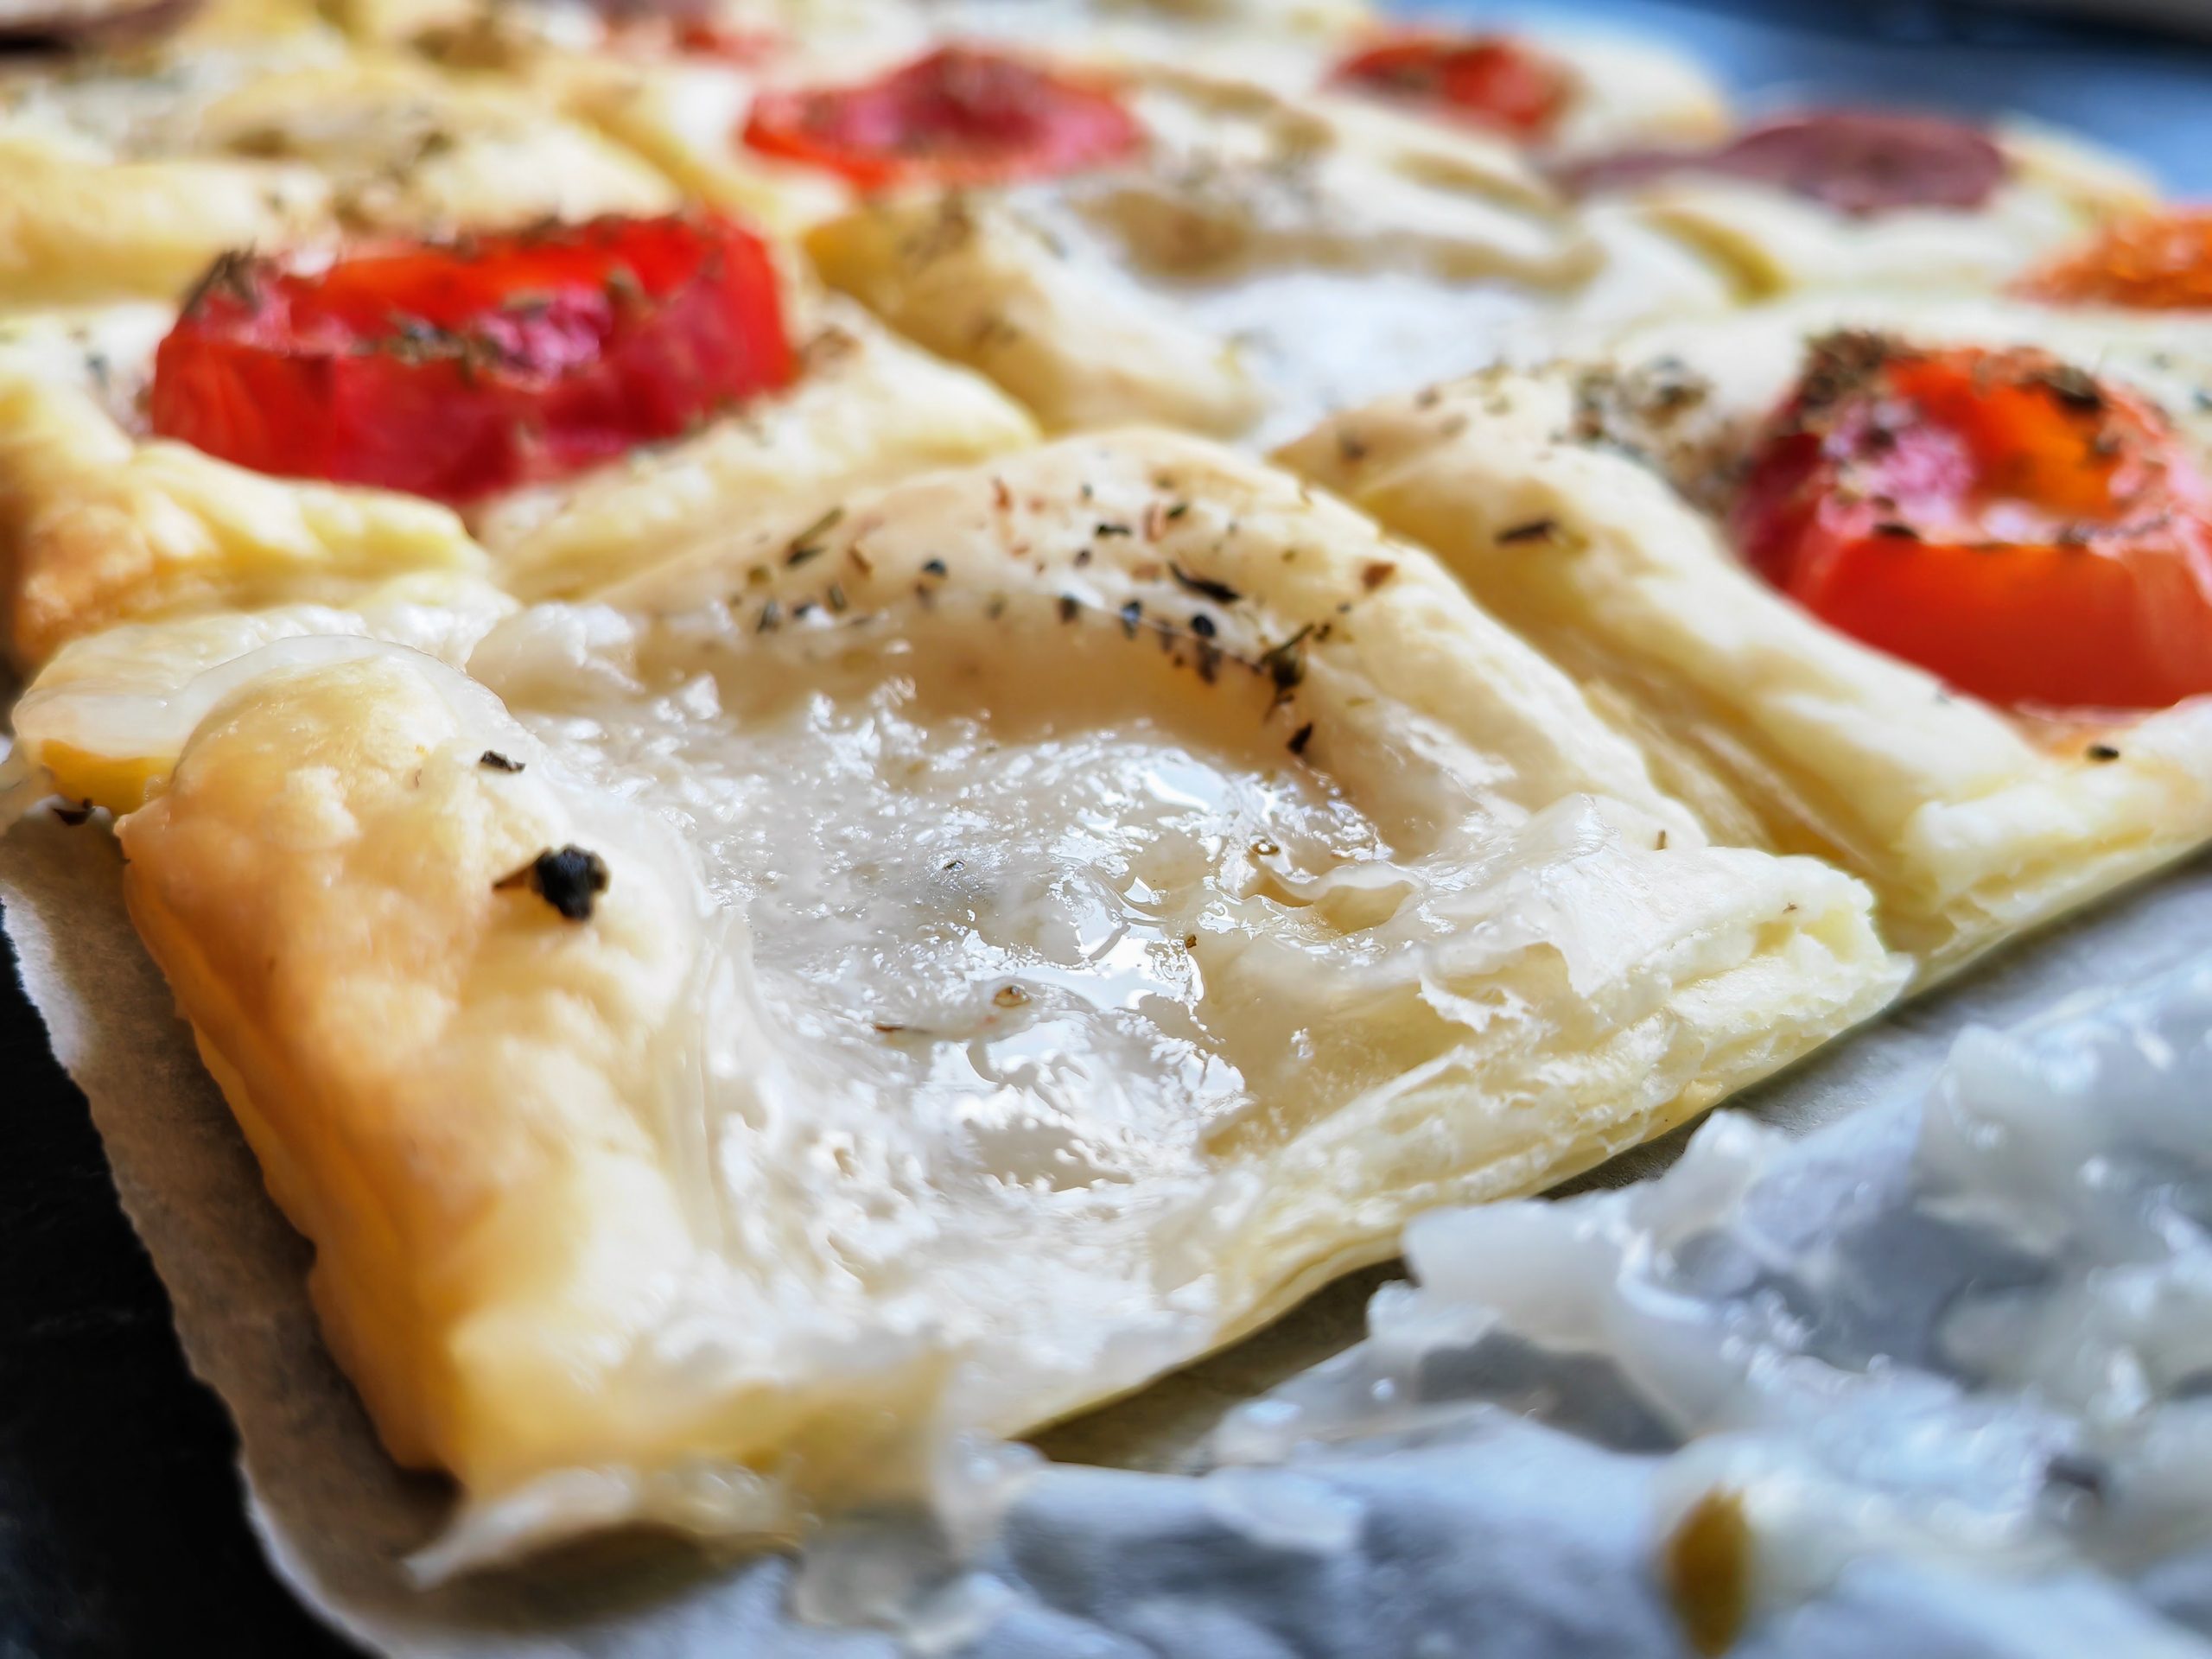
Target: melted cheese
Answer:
pixel 1261 248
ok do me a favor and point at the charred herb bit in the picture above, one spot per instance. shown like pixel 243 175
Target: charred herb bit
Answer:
pixel 1898 530
pixel 623 291
pixel 1536 530
pixel 1202 625
pixel 1840 362
pixel 2075 388
pixel 1300 738
pixel 570 879
pixel 71 813
pixel 807 544
pixel 1204 586
pixel 835 598
pixel 2102 752
pixel 935 568
pixel 1375 572
pixel 493 761
pixel 1177 510
pixel 771 617
pixel 1667 386
pixel 232 275
pixel 1069 607
pixel 1286 663
pixel 1350 447
pixel 1132 614
pixel 1105 530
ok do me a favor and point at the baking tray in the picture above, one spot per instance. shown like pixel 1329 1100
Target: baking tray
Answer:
pixel 121 1525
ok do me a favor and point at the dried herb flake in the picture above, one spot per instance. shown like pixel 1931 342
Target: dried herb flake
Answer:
pixel 570 879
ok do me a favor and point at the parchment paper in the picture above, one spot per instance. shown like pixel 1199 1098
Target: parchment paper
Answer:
pixel 337 1518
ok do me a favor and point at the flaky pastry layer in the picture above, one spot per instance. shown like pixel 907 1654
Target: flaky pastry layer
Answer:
pixel 1054 914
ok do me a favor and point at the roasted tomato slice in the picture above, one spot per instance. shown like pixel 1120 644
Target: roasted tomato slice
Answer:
pixel 1490 80
pixel 451 370
pixel 1864 162
pixel 700 37
pixel 2027 531
pixel 963 115
pixel 2154 262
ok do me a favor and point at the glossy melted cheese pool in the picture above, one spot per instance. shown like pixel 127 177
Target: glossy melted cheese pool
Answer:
pixel 969 1103
pixel 1006 918
pixel 1431 282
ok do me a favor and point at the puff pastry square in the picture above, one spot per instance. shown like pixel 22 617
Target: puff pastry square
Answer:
pixel 933 964
pixel 100 523
pixel 1577 504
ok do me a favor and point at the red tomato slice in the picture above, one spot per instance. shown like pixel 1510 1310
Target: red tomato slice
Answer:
pixel 2030 534
pixel 452 370
pixel 2156 262
pixel 701 38
pixel 963 115
pixel 1863 163
pixel 1488 80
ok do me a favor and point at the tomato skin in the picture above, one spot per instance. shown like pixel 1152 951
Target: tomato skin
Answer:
pixel 2153 262
pixel 1490 80
pixel 703 38
pixel 452 370
pixel 963 115
pixel 2033 536
pixel 1862 163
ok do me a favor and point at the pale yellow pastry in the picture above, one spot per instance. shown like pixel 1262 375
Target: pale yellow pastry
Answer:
pixel 101 524
pixel 128 179
pixel 1628 91
pixel 1579 505
pixel 1746 363
pixel 934 966
pixel 1770 241
pixel 1264 255
pixel 1274 249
